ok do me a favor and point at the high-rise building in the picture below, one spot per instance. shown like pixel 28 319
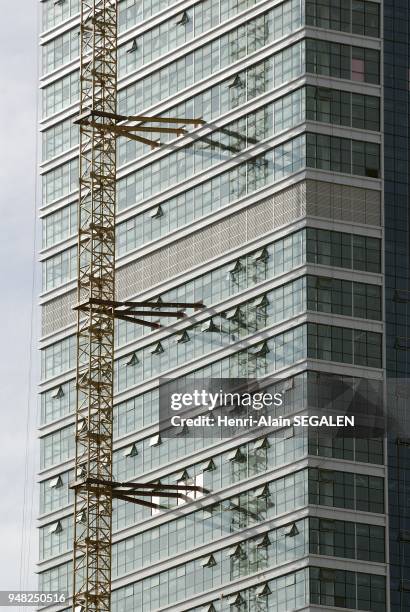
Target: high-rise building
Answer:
pixel 275 214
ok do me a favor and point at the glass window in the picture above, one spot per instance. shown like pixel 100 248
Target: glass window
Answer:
pixel 54 497
pixel 344 297
pixel 61 50
pixel 59 269
pixel 344 589
pixel 342 61
pixel 332 343
pixel 60 138
pixel 57 579
pixel 367 301
pixel 56 538
pixel 58 357
pixel 60 225
pixel 366 253
pixel 57 447
pixel 343 155
pixel 365 65
pixel 58 402
pixel 358 16
pixel 204 61
pixel 344 539
pixel 342 108
pixel 366 159
pixel 334 15
pixel 346 490
pixel 365 112
pixel 54 12
pixel 365 18
pixel 61 94
pixel 60 182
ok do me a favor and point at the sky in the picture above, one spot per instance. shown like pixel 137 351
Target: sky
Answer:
pixel 18 402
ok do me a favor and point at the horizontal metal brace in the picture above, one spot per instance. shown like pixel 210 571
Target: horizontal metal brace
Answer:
pixel 131 319
pixel 133 487
pixel 151 313
pixel 129 491
pixel 140 502
pixel 149 493
pixel 108 310
pixel 156 486
pixel 148 303
pixel 160 130
pixel 123 131
pixel 84 117
pixel 86 304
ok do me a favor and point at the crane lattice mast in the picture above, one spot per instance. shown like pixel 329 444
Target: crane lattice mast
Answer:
pixel 100 125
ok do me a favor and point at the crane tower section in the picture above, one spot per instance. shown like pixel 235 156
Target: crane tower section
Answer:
pixel 95 317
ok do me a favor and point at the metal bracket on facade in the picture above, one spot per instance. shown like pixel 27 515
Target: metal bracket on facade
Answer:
pixel 132 491
pixel 131 311
pixel 127 125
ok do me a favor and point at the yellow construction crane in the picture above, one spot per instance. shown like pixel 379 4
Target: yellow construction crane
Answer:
pixel 100 125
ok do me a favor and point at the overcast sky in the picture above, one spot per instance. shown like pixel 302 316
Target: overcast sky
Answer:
pixel 18 70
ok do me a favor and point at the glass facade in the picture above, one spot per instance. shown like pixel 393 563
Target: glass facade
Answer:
pixel 248 509
pixel 397 274
pixel 317 341
pixel 286 174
